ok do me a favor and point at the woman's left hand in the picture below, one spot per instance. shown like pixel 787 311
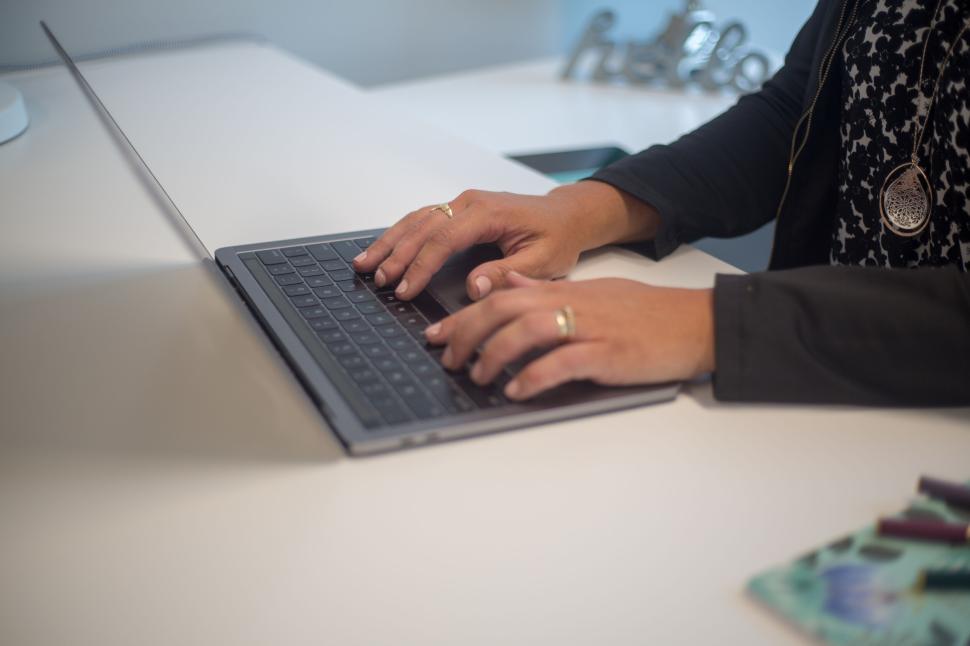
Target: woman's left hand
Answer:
pixel 626 332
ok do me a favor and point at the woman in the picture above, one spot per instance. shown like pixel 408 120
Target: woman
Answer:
pixel 859 148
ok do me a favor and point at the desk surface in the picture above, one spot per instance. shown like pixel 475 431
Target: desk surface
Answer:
pixel 547 113
pixel 163 480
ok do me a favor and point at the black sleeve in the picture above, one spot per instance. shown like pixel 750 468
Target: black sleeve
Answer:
pixel 725 178
pixel 854 335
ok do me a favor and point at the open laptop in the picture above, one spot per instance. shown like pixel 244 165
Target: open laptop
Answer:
pixel 358 350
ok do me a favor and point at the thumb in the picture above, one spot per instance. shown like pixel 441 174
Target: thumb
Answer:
pixel 510 271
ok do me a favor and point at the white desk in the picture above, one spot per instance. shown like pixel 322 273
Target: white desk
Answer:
pixel 164 481
pixel 524 107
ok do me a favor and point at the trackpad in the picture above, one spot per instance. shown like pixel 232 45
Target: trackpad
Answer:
pixel 448 285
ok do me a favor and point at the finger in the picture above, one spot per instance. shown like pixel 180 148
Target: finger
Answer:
pixel 471 326
pixel 496 274
pixel 570 362
pixel 515 279
pixel 408 246
pixel 368 260
pixel 468 228
pixel 530 331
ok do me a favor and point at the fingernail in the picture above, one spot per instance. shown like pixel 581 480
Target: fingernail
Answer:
pixel 360 257
pixel 484 286
pixel 380 278
pixel 432 330
pixel 446 357
pixel 402 288
pixel 476 373
pixel 512 389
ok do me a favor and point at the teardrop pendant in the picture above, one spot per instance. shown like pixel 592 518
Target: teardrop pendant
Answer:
pixel 906 200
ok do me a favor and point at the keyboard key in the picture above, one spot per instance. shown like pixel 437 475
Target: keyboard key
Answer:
pixel 417 333
pixel 375 389
pixel 380 318
pixel 355 325
pixel 361 297
pixel 334 265
pixel 402 343
pixel 328 291
pixel 280 269
pixel 336 303
pixel 290 252
pixel 397 377
pixel 412 354
pixel 368 307
pixel 399 308
pixel 413 320
pixel 420 404
pixel 321 252
pixel 376 351
pixel 302 261
pixel 319 281
pixel 484 397
pixel 363 243
pixel 342 274
pixel 304 301
pixel 449 396
pixel 271 256
pixel 333 336
pixel 345 314
pixel 296 290
pixel 353 286
pixel 312 270
pixel 424 369
pixel 288 279
pixel 313 312
pixel 346 249
pixel 352 361
pixel 368 280
pixel 364 375
pixel 342 348
pixel 385 364
pixel 390 331
pixel 390 410
pixel 323 323
pixel 365 338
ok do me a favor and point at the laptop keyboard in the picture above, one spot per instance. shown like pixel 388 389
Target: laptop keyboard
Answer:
pixel 377 339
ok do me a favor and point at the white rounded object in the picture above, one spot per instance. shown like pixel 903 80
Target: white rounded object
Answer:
pixel 13 113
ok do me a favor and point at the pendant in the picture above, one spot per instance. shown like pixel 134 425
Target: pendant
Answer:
pixel 906 200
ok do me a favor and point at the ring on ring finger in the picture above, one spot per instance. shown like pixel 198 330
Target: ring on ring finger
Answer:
pixel 566 322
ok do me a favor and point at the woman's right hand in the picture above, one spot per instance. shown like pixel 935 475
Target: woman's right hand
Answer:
pixel 539 236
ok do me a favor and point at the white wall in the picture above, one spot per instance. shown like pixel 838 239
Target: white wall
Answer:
pixel 368 41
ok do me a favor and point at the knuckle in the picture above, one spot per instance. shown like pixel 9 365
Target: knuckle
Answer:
pixel 471 196
pixel 441 237
pixel 418 266
pixel 392 264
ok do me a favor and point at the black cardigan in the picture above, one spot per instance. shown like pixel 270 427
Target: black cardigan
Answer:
pixel 803 331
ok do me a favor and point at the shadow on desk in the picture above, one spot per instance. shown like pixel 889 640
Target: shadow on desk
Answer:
pixel 154 364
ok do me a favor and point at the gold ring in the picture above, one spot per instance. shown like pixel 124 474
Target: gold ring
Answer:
pixel 445 208
pixel 566 322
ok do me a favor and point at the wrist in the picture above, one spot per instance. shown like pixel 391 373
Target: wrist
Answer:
pixel 705 318
pixel 603 214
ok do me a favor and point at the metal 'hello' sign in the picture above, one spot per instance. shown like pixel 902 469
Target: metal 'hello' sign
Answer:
pixel 690 49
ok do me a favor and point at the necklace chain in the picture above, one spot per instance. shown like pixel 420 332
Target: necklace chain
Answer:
pixel 921 127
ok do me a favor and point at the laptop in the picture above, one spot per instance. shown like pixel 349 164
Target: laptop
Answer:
pixel 358 351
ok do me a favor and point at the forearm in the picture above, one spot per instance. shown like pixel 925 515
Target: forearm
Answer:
pixel 602 214
pixel 849 335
